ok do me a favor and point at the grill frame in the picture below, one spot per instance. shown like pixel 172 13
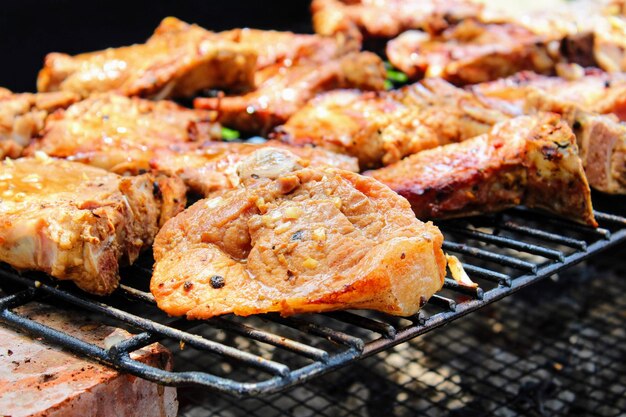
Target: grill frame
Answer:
pixel 533 225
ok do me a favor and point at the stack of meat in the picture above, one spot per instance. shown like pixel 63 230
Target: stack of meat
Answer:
pixel 98 163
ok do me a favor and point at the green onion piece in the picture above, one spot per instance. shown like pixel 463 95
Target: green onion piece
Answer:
pixel 397 76
pixel 229 134
pixel 388 85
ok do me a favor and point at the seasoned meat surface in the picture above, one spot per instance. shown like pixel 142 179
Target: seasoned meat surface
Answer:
pixel 283 90
pixel 591 90
pixel 121 134
pixel 178 60
pixel 530 160
pixel 211 167
pixel 382 128
pixel 22 117
pixel 296 240
pixel 389 18
pixel 473 52
pixel 77 222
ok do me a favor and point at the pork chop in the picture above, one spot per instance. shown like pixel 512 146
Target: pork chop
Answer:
pixel 389 18
pixel 178 60
pixel 121 134
pixel 295 240
pixel 530 160
pixel 210 167
pixel 22 116
pixel 283 90
pixel 77 222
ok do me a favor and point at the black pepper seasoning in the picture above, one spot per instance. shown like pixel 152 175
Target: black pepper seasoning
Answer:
pixel 217 281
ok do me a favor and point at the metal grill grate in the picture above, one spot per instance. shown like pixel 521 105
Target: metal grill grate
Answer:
pixel 268 353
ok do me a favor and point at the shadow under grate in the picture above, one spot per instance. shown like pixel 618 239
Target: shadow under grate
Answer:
pixel 265 354
pixel 557 348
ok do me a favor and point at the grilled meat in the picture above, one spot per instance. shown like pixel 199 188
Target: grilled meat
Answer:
pixel 591 90
pixel 288 48
pixel 389 18
pixel 121 134
pixel 22 117
pixel 382 128
pixel 211 167
pixel 281 91
pixel 601 140
pixel 296 240
pixel 79 223
pixel 530 160
pixel 473 52
pixel 176 61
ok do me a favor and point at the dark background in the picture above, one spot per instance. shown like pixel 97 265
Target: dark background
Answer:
pixel 29 29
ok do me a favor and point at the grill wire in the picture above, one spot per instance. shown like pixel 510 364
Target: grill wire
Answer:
pixel 265 354
pixel 557 348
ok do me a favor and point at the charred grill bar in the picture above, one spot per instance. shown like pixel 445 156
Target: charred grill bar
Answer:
pixel 502 253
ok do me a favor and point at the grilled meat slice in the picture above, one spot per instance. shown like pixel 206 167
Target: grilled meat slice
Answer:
pixel 389 18
pixel 79 223
pixel 473 52
pixel 176 61
pixel 382 128
pixel 588 89
pixel 282 90
pixel 601 140
pixel 120 134
pixel 288 48
pixel 211 167
pixel 530 160
pixel 22 117
pixel 296 240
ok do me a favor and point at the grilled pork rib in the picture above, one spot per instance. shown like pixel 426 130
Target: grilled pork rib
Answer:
pixel 591 90
pixel 79 223
pixel 176 61
pixel 210 167
pixel 382 128
pixel 296 240
pixel 121 134
pixel 283 90
pixel 22 117
pixel 530 160
pixel 473 52
pixel 389 18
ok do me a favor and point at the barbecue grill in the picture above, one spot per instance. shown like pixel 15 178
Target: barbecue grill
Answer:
pixel 556 348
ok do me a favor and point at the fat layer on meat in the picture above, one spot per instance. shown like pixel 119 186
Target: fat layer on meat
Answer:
pixel 77 222
pixel 294 240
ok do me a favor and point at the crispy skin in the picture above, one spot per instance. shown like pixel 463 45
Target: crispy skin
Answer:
pixel 211 167
pixel 382 128
pixel 79 223
pixel 308 240
pixel 472 52
pixel 22 117
pixel 591 90
pixel 389 18
pixel 121 134
pixel 176 61
pixel 281 91
pixel 530 160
